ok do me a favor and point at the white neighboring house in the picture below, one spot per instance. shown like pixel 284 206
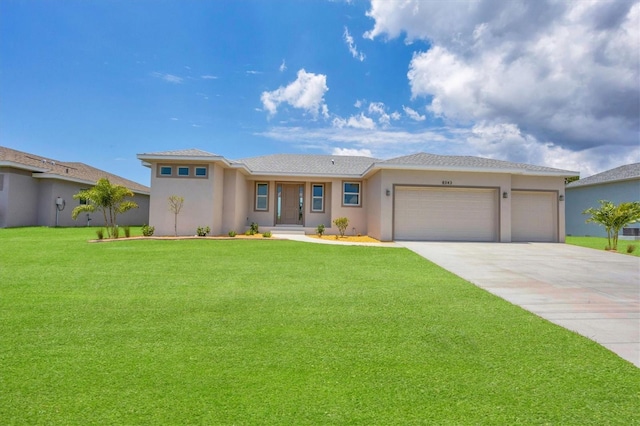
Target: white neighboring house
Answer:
pixel 415 197
pixel 618 185
pixel 38 191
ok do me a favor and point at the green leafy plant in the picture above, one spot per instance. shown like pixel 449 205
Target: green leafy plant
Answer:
pixel 100 233
pixel 249 232
pixel 115 232
pixel 253 229
pixel 127 231
pixel 203 231
pixel 614 218
pixel 320 230
pixel 105 197
pixel 147 230
pixel 175 205
pixel 631 248
pixel 232 233
pixel 342 223
pixel 267 234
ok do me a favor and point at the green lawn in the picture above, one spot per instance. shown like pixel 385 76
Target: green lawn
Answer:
pixel 279 332
pixel 599 243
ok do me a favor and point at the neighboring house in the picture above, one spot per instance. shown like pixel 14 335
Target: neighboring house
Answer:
pixel 38 191
pixel 618 185
pixel 416 197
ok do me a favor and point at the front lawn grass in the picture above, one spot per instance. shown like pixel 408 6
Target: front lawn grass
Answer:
pixel 279 332
pixel 599 243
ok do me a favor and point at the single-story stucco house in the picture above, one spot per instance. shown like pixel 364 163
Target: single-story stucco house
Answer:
pixel 618 185
pixel 38 191
pixel 414 197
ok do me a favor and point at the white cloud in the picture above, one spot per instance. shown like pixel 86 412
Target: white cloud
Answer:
pixel 352 152
pixel 413 114
pixel 253 72
pixel 208 77
pixel 359 121
pixel 283 66
pixel 306 93
pixel 379 109
pixel 348 39
pixel 169 78
pixel 567 72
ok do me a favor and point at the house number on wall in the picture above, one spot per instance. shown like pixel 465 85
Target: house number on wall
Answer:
pixel 447 182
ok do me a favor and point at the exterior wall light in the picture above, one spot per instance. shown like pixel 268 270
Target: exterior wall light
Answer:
pixel 561 197
pixel 505 194
pixel 388 192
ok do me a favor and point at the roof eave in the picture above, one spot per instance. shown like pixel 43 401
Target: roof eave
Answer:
pixel 204 158
pixel 513 171
pixel 14 165
pixel 583 185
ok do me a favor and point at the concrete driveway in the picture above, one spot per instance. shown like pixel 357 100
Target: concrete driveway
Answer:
pixel 592 292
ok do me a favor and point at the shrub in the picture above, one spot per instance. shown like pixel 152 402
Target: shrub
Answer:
pixel 147 230
pixel 253 229
pixel 249 232
pixel 127 231
pixel 342 223
pixel 320 230
pixel 267 234
pixel 100 233
pixel 232 233
pixel 631 248
pixel 202 232
pixel 115 232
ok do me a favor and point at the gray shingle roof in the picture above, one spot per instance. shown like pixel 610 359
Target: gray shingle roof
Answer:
pixel 465 162
pixel 627 172
pixel 308 164
pixel 65 170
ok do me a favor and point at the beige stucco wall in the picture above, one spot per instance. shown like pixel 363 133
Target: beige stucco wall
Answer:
pixel 29 201
pixel 504 182
pixel 375 195
pixel 234 206
pixel 19 198
pixel 198 209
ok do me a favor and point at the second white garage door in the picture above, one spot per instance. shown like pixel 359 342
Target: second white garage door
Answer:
pixel 445 214
pixel 534 216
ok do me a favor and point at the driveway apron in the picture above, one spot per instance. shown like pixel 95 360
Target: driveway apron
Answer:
pixel 591 292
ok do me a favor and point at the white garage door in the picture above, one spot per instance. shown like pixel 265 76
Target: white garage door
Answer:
pixel 445 214
pixel 534 216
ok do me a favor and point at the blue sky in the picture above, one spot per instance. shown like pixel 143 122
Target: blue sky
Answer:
pixel 545 82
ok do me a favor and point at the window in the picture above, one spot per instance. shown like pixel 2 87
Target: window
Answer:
pixel 201 171
pixel 83 200
pixel 262 196
pixel 183 171
pixel 351 193
pixel 317 198
pixel 165 171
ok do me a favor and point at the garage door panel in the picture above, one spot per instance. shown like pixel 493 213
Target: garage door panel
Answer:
pixel 445 214
pixel 534 216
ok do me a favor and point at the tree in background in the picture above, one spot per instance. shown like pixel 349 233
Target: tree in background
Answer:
pixel 107 198
pixel 614 218
pixel 175 205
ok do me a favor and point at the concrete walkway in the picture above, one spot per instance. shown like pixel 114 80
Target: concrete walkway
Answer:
pixel 592 292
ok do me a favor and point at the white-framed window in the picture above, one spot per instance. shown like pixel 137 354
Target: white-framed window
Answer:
pixel 351 193
pixel 262 196
pixel 183 171
pixel 166 170
pixel 317 197
pixel 201 172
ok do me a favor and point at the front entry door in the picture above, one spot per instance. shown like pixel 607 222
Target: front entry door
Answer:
pixel 290 204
